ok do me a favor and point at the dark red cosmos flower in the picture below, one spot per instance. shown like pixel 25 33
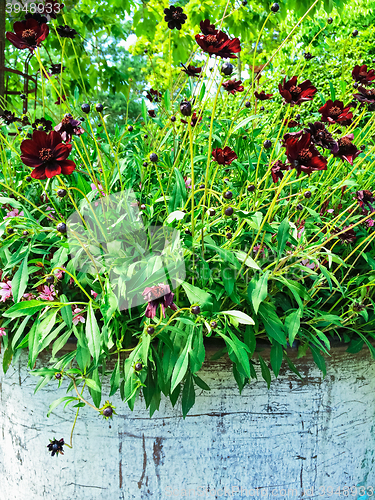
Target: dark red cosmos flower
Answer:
pixel 334 112
pixel 276 170
pixel 151 112
pixel 69 127
pixel 42 122
pixel 217 43
pixel 175 17
pixel 321 137
pixel 194 119
pixel 158 295
pixel 262 96
pixel 66 31
pixel 28 34
pixel 347 150
pixel 365 95
pixel 191 70
pixel 302 154
pixel 56 69
pixel 361 75
pixel 60 101
pixel 56 447
pixel 233 86
pixel 153 95
pixel 365 198
pixel 224 156
pixel 348 236
pixel 47 155
pixel 9 117
pixel 37 16
pixel 296 94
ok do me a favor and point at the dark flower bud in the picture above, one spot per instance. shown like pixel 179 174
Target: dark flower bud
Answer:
pixel 29 136
pixel 173 119
pixel 275 7
pixel 185 108
pixel 25 233
pixel 227 68
pixel 251 188
pixel 363 147
pixel 228 195
pixel 355 33
pixel 61 193
pixel 213 324
pixel 307 194
pixel 298 117
pixel 267 144
pixel 228 236
pixel 150 330
pixel 154 157
pixel 145 164
pixel 261 108
pixel 244 3
pixel 50 279
pixel 202 186
pixel 85 108
pixel 195 310
pixel 130 128
pixel 247 104
pixel 138 367
pixel 22 96
pixel 299 206
pixel 307 56
pixel 211 212
pixel 330 20
pixel 28 178
pixel 145 136
pixel 99 108
pixel 58 376
pixel 10 230
pixel 228 211
pixel 61 227
pixel 355 85
pixel 40 127
pixel 108 412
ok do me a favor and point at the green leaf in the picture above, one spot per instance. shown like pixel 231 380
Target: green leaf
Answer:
pixel 247 260
pixel 95 387
pixel 257 290
pixel 33 342
pixel 227 256
pixel 240 350
pixel 201 383
pixel 28 307
pixel 188 395
pixel 266 374
pixel 276 358
pixel 244 122
pixel 332 89
pixel 66 311
pixel 19 282
pixel 198 296
pixel 93 334
pixel 60 342
pixel 293 323
pixel 250 339
pixel 115 379
pixel 178 197
pixel 144 110
pixel 272 323
pixel 57 402
pixel 167 100
pixel 239 316
pixel 355 346
pixel 282 236
pixel 181 365
pixel 319 360
pixel 7 358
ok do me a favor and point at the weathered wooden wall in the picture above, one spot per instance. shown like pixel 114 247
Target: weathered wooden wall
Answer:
pixel 296 436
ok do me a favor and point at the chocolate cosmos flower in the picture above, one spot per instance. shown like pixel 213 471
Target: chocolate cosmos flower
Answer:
pixel 262 96
pixel 217 43
pixel 9 117
pixel 276 170
pixel 194 119
pixel 347 150
pixel 302 154
pixel 66 31
pixel 334 112
pixel 47 155
pixel 42 122
pixel 365 198
pixel 151 112
pixel 27 34
pixel 175 17
pixel 37 16
pixel 56 447
pixel 69 127
pixel 296 94
pixel 158 295
pixel 55 69
pixel 233 86
pixel 362 76
pixel 224 156
pixel 348 236
pixel 191 70
pixel 365 95
pixel 321 137
pixel 153 95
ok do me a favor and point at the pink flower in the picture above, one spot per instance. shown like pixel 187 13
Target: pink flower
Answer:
pixel 14 213
pixel 2 332
pixel 6 291
pixel 50 209
pixel 59 273
pixel 187 182
pixel 330 210
pixel 259 249
pixel 78 318
pixel 48 293
pixel 306 263
pixel 94 294
pixel 94 188
pixel 28 296
pixel 370 222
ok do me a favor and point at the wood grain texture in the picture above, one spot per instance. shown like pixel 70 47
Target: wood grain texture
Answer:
pixel 297 435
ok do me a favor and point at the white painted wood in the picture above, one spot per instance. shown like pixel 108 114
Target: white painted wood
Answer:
pixel 297 435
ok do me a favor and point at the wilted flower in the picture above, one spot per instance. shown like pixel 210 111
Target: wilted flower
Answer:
pixel 277 170
pixel 66 31
pixel 5 291
pixel 37 16
pixel 347 150
pixel 262 96
pixel 153 95
pixel 158 295
pixel 302 154
pixel 56 447
pixel 47 155
pixel 78 317
pixel 175 17
pixel 217 43
pixel 28 34
pixel 334 112
pixel 48 293
pixel 2 332
pixel 362 76
pixel 69 127
pixel 233 86
pixel 191 70
pixel 321 137
pixel 224 156
pixel 28 296
pixel 194 119
pixel 42 122
pixel 365 95
pixel 296 94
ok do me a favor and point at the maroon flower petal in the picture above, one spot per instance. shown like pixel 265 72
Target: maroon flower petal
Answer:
pixel 29 148
pixel 67 167
pixel 52 170
pixel 16 41
pixel 54 138
pixel 31 162
pixel 39 173
pixel 61 151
